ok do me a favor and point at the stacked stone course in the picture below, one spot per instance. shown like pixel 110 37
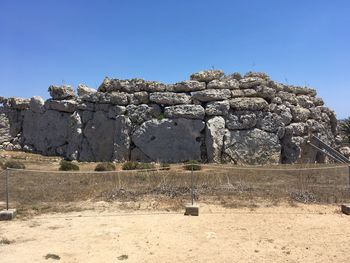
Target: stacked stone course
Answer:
pixel 211 118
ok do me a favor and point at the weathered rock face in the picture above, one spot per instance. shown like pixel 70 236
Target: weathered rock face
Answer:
pixel 179 139
pixel 210 118
pixel 252 147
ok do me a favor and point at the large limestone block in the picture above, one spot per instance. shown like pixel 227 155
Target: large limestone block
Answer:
pixel 261 75
pixel 188 111
pixel 251 82
pixel 248 104
pixel 211 94
pixel 290 97
pixel 244 93
pixel 297 128
pixel 17 103
pixel 124 85
pixel 217 108
pixel 46 132
pixel 85 90
pixel 106 139
pixel 61 105
pixel 169 98
pixel 214 138
pixel 300 114
pixel 285 114
pixel 63 92
pixel 37 104
pixel 251 147
pixel 166 140
pixel 226 83
pixel 241 120
pixel 207 75
pixel 140 113
pixel 115 98
pixel 188 86
pixel 5 135
pixel 75 136
pixel 137 98
pixel 269 122
pixel 265 92
pixel 306 101
pixel 151 86
pixel 291 149
pixel 300 90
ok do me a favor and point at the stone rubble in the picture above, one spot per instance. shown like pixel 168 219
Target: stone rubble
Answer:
pixel 212 117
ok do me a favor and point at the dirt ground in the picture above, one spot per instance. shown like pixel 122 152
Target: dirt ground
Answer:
pixel 106 233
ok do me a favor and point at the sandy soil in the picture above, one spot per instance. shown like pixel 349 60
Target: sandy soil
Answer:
pixel 306 233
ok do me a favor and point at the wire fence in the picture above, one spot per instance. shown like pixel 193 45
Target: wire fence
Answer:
pixel 235 184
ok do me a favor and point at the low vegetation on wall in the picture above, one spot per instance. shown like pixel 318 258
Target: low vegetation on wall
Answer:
pixel 212 117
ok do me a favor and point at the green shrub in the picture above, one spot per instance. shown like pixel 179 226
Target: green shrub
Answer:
pixel 165 166
pixel 192 165
pixel 14 165
pixel 1 165
pixel 105 167
pixel 161 116
pixel 68 166
pixel 137 166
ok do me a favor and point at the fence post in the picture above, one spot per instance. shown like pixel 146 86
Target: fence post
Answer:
pixel 7 188
pixel 192 190
pixel 349 176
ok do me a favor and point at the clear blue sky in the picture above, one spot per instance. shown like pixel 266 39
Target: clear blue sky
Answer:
pixel 300 42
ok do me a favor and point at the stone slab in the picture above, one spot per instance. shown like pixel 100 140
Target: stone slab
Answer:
pixel 345 208
pixel 192 210
pixel 7 214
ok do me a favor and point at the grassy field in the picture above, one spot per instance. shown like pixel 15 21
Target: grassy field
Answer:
pixel 47 190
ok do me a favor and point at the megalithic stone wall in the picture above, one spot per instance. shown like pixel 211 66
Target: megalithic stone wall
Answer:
pixel 211 118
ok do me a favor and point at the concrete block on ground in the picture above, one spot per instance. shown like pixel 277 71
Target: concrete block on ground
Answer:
pixel 192 210
pixel 7 214
pixel 345 208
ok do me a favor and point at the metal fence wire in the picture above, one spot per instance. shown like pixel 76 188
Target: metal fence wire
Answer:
pixel 304 183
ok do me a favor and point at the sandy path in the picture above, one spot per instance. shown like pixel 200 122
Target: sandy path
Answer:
pixel 307 233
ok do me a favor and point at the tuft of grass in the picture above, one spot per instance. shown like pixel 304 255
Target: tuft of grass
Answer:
pixel 52 256
pixel 192 165
pixel 105 167
pixel 68 166
pixel 5 241
pixel 137 166
pixel 161 116
pixel 14 165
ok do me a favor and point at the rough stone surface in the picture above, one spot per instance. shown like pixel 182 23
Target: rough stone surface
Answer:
pixel 5 135
pixel 211 94
pixel 169 98
pixel 217 108
pixel 241 120
pixel 187 111
pixel 188 86
pixel 228 83
pixel 36 104
pixel 113 141
pixel 61 92
pixel 85 90
pixel 61 105
pixel 141 113
pixel 248 104
pixel 207 76
pixel 179 139
pixel 214 138
pixel 212 117
pixel 251 147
